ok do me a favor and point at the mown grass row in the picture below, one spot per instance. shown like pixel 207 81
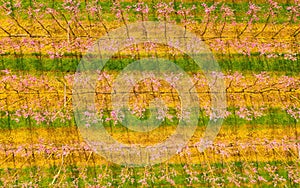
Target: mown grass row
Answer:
pixel 227 62
pixel 114 175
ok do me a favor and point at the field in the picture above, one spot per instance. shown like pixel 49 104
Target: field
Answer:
pixel 43 49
